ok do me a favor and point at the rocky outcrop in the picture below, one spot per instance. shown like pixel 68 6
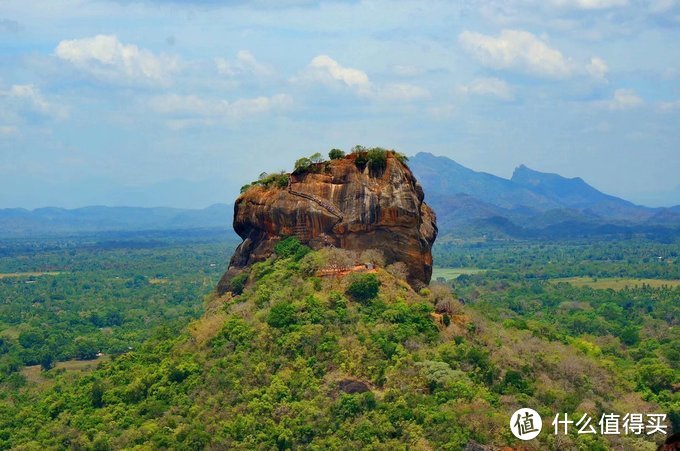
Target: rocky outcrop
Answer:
pixel 343 203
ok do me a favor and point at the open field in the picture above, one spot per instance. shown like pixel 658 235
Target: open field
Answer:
pixel 453 273
pixel 616 283
pixel 34 374
pixel 28 274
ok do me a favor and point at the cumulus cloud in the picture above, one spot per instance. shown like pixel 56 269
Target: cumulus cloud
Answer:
pixel 245 64
pixel 28 100
pixel 325 70
pixel 213 111
pixel 597 68
pixel 623 99
pixel 108 59
pixel 516 50
pixel 488 86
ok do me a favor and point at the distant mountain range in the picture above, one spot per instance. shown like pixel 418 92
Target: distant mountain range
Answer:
pixel 18 222
pixel 469 204
pixel 530 204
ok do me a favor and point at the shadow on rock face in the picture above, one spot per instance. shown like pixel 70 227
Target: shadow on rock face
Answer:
pixel 340 204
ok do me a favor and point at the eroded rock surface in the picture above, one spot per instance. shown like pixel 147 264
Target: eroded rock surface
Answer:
pixel 342 204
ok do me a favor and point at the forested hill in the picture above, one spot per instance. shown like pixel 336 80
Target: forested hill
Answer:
pixel 298 361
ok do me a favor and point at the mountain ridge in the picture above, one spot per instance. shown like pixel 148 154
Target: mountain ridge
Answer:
pixel 19 222
pixel 530 204
pixel 468 203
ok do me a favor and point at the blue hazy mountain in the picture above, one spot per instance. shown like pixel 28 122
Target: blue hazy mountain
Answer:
pixel 18 222
pixel 531 203
pixel 443 176
pixel 467 203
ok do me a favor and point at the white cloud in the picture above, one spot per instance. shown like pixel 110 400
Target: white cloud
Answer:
pixel 108 59
pixel 245 64
pixel 325 70
pixel 213 111
pixel 27 99
pixel 590 4
pixel 597 68
pixel 489 86
pixel 623 99
pixel 516 50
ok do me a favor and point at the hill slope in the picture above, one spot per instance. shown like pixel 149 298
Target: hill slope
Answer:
pixel 297 362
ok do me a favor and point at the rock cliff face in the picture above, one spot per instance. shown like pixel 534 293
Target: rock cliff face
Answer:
pixel 339 203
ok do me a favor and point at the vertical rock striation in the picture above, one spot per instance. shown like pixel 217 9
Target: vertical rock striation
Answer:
pixel 340 203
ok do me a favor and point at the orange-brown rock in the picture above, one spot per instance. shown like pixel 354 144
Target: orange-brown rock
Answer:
pixel 341 204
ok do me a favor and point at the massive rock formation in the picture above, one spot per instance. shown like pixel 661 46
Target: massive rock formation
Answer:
pixel 346 203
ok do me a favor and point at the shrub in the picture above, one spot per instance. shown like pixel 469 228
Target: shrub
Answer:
pixel 336 154
pixel 654 375
pixel 282 314
pixel 363 287
pixel 291 248
pixel 377 158
pixel 282 181
pixel 235 332
pixel 268 180
pixel 97 394
pixel 302 164
pixel 448 307
pixel 401 157
pixel 374 256
pixel 86 348
pixel 316 158
pixel 238 283
pixel 398 270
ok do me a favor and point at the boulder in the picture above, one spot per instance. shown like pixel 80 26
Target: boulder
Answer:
pixel 345 203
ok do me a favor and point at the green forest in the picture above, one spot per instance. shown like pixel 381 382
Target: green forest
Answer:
pixel 299 361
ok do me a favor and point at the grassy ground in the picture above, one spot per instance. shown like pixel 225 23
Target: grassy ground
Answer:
pixel 616 283
pixel 34 374
pixel 27 274
pixel 453 273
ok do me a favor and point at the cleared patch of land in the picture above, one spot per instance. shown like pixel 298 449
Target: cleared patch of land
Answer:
pixel 453 273
pixel 27 274
pixel 35 376
pixel 616 283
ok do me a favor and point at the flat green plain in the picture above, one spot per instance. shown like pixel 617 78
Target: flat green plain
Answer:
pixel 616 283
pixel 453 273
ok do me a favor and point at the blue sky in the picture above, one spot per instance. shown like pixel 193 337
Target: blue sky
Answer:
pixel 180 103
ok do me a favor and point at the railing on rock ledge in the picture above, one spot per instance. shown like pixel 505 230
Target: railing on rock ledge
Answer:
pixel 324 203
